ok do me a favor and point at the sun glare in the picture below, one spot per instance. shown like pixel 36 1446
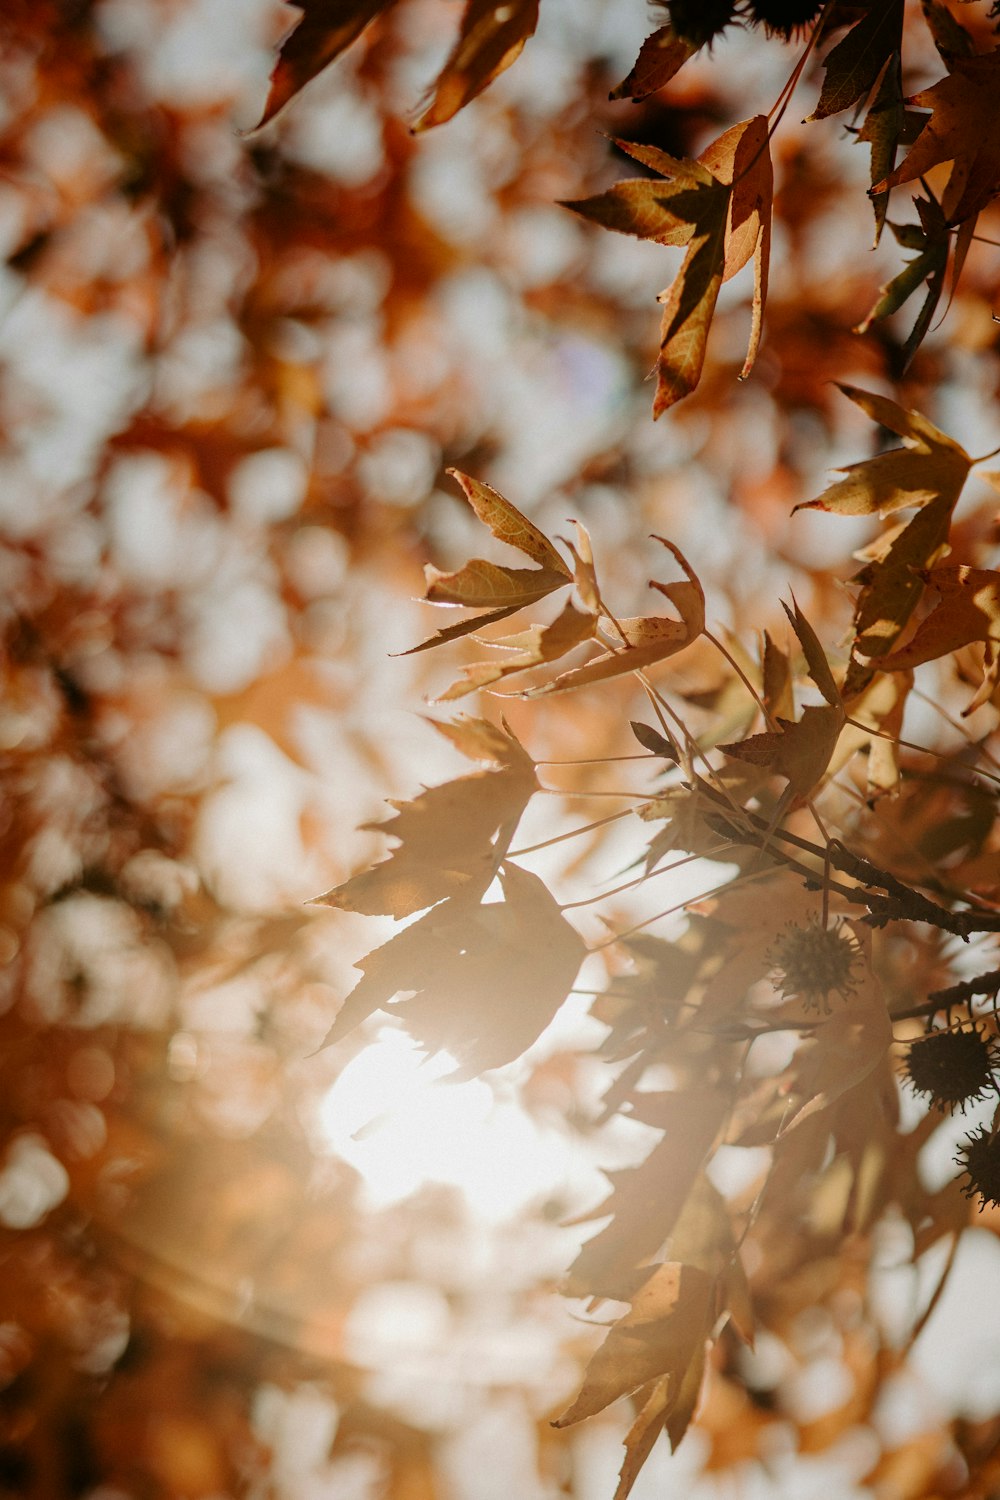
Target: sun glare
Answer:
pixel 394 1117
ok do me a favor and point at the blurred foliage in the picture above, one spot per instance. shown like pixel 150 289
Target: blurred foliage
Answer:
pixel 237 363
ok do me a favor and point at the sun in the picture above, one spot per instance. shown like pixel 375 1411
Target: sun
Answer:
pixel 393 1116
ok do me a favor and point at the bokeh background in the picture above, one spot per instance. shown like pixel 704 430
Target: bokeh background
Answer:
pixel 235 366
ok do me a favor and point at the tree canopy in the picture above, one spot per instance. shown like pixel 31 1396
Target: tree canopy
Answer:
pixel 717 901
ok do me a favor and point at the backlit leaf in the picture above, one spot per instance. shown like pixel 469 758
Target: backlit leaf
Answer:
pixel 661 57
pixel 854 64
pixel 661 1335
pixel 964 129
pixel 930 466
pixel 531 648
pixel 451 839
pixel 322 32
pixel 492 35
pixel 484 980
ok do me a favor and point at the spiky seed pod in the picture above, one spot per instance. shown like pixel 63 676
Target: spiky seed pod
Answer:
pixel 979 1158
pixel 699 22
pixel 811 962
pixel 783 17
pixel 951 1068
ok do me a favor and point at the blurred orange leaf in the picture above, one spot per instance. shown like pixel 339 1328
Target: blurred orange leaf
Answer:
pixel 492 36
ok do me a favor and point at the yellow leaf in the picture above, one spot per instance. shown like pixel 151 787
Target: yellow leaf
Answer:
pixel 799 751
pixel 451 839
pixel 533 648
pixel 929 466
pixel 648 638
pixel 662 1335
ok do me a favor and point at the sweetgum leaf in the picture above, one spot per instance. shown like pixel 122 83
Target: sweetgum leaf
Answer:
pixel 451 839
pixel 661 1335
pixel 491 37
pixel 484 980
pixel 855 63
pixel 964 128
pixel 661 57
pixel 532 648
pixel 323 31
pixel 931 465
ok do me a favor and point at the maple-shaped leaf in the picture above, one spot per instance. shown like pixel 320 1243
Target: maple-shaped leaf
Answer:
pixel 816 662
pixel 929 466
pixel 854 64
pixel 660 59
pixel 479 583
pixel 778 687
pixel 451 838
pixel 932 242
pixel 720 208
pixel 661 1335
pixel 491 37
pixel 484 980
pixel 964 129
pixel 646 1201
pixel 323 31
pixel 892 583
pixel 800 751
pixel 968 610
pixel 531 648
pixel 882 130
pixel 648 639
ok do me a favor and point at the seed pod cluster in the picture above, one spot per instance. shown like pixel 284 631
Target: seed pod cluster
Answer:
pixel 699 22
pixel 951 1068
pixel 811 962
pixel 783 18
pixel 979 1158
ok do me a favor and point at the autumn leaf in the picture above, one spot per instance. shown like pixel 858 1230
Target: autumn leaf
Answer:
pixel 816 662
pixel 854 64
pixel 480 583
pixel 323 31
pixel 778 688
pixel 451 838
pixel 661 57
pixel 800 750
pixel 964 129
pixel 648 639
pixel 646 1201
pixel 484 979
pixel 661 1335
pixel 929 466
pixel 932 242
pixel 531 648
pixel 892 583
pixel 720 208
pixel 491 37
pixel 882 130
pixel 969 610
pixel 742 158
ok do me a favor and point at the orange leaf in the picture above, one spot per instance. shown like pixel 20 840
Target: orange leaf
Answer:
pixel 929 465
pixel 648 638
pixel 480 583
pixel 661 56
pixel 533 647
pixel 799 751
pixel 492 36
pixel 451 838
pixel 323 31
pixel 662 1335
pixel 964 129
pixel 485 980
